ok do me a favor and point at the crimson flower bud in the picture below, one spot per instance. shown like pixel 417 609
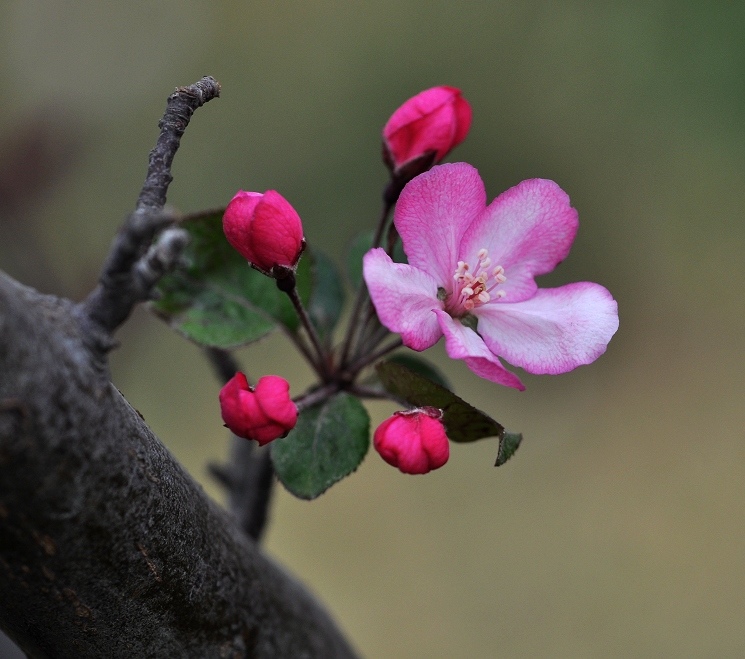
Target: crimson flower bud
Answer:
pixel 263 413
pixel 265 229
pixel 433 121
pixel 414 441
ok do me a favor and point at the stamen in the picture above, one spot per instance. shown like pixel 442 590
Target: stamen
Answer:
pixel 461 270
pixel 473 290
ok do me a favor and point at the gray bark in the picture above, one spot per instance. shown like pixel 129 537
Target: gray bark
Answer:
pixel 107 546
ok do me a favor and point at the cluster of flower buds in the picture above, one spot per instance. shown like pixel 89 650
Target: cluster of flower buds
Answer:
pixel 266 230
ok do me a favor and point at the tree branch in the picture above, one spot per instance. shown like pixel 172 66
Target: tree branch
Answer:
pixel 180 107
pixel 130 271
pixel 107 546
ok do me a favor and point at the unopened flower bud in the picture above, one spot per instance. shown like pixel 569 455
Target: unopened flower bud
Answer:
pixel 414 441
pixel 265 229
pixel 432 122
pixel 263 413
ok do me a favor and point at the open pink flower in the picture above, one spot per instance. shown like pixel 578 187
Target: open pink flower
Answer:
pixel 470 277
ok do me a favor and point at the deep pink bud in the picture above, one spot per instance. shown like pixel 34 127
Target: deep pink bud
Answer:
pixel 414 441
pixel 436 120
pixel 264 228
pixel 263 413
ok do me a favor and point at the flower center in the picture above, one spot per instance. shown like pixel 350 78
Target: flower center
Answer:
pixel 472 288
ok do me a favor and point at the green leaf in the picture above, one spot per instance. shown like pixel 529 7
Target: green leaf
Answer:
pixel 211 320
pixel 420 367
pixel 508 444
pixel 463 422
pixel 216 298
pixel 328 443
pixel 327 298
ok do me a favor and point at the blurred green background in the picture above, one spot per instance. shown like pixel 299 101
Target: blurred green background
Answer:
pixel 619 527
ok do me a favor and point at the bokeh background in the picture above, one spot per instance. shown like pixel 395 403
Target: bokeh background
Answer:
pixel 618 529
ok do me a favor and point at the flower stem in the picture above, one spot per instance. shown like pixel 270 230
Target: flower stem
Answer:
pixel 316 396
pixel 320 363
pixel 356 321
pixel 368 392
pixel 305 350
pixel 366 360
pixel 371 327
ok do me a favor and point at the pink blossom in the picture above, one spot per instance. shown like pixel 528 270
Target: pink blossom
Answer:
pixel 473 266
pixel 265 229
pixel 435 120
pixel 263 413
pixel 413 441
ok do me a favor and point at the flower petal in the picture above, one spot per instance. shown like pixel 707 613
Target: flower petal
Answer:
pixel 404 299
pixel 528 230
pixel 273 397
pixel 463 118
pixel 433 212
pixel 276 232
pixel 553 332
pixel 463 343
pixel 436 119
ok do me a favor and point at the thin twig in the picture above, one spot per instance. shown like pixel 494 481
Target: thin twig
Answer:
pixel 180 107
pixel 132 267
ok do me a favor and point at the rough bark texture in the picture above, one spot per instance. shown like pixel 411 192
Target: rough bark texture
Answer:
pixel 107 546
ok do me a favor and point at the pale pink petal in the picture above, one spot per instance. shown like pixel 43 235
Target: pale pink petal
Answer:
pixel 528 230
pixel 404 299
pixel 463 343
pixel 433 212
pixel 553 332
